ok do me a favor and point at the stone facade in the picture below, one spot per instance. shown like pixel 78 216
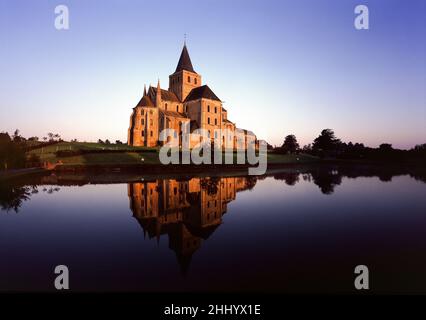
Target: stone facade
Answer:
pixel 185 101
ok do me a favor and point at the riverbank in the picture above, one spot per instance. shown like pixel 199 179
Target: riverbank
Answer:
pixel 19 173
pixel 78 158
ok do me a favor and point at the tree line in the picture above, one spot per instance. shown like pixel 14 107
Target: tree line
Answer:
pixel 13 149
pixel 327 145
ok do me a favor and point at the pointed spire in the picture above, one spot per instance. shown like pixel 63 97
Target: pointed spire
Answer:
pixel 144 90
pixel 158 96
pixel 184 61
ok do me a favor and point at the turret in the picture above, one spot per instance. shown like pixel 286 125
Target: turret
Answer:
pixel 158 96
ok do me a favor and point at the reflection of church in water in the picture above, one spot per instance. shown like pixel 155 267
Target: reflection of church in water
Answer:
pixel 188 211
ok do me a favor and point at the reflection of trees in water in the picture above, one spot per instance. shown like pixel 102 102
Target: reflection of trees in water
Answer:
pixel 326 180
pixel 13 196
pixel 419 176
pixel 51 190
pixel 327 177
pixel 290 178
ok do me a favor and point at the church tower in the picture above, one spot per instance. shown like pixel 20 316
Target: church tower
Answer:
pixel 184 79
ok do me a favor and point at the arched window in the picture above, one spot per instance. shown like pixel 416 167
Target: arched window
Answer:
pixel 208 108
pixel 195 80
pixel 143 133
pixel 177 108
pixel 189 79
pixel 215 121
pixel 142 112
pixel 215 109
pixel 208 120
pixel 152 133
pixel 143 121
pixel 166 106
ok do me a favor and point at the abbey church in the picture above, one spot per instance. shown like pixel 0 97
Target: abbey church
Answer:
pixel 186 101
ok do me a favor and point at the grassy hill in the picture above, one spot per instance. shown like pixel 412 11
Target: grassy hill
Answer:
pixel 119 154
pixel 82 153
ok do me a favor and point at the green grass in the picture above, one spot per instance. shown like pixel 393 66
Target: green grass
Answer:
pixel 291 158
pixel 112 158
pixel 48 154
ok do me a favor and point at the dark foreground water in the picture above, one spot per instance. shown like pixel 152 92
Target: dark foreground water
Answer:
pixel 301 230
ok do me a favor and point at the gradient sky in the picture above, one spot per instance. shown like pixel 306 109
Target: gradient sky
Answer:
pixel 281 67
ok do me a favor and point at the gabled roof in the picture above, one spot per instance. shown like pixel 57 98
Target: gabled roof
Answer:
pixel 184 61
pixel 165 95
pixel 202 92
pixel 145 102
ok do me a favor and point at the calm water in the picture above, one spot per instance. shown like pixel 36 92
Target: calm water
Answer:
pixel 302 230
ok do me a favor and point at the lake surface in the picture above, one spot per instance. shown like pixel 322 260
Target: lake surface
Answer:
pixel 298 230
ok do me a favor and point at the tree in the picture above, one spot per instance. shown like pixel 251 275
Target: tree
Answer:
pixel 107 141
pixel 16 137
pixel 290 144
pixel 51 136
pixel 326 141
pixel 386 147
pixel 11 154
pixel 118 142
pixel 307 148
pixel 100 141
pixel 420 147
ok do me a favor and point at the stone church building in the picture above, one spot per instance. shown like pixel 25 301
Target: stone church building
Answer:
pixel 185 101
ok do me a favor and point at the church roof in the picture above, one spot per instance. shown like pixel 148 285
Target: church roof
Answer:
pixel 145 102
pixel 165 95
pixel 184 61
pixel 201 92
